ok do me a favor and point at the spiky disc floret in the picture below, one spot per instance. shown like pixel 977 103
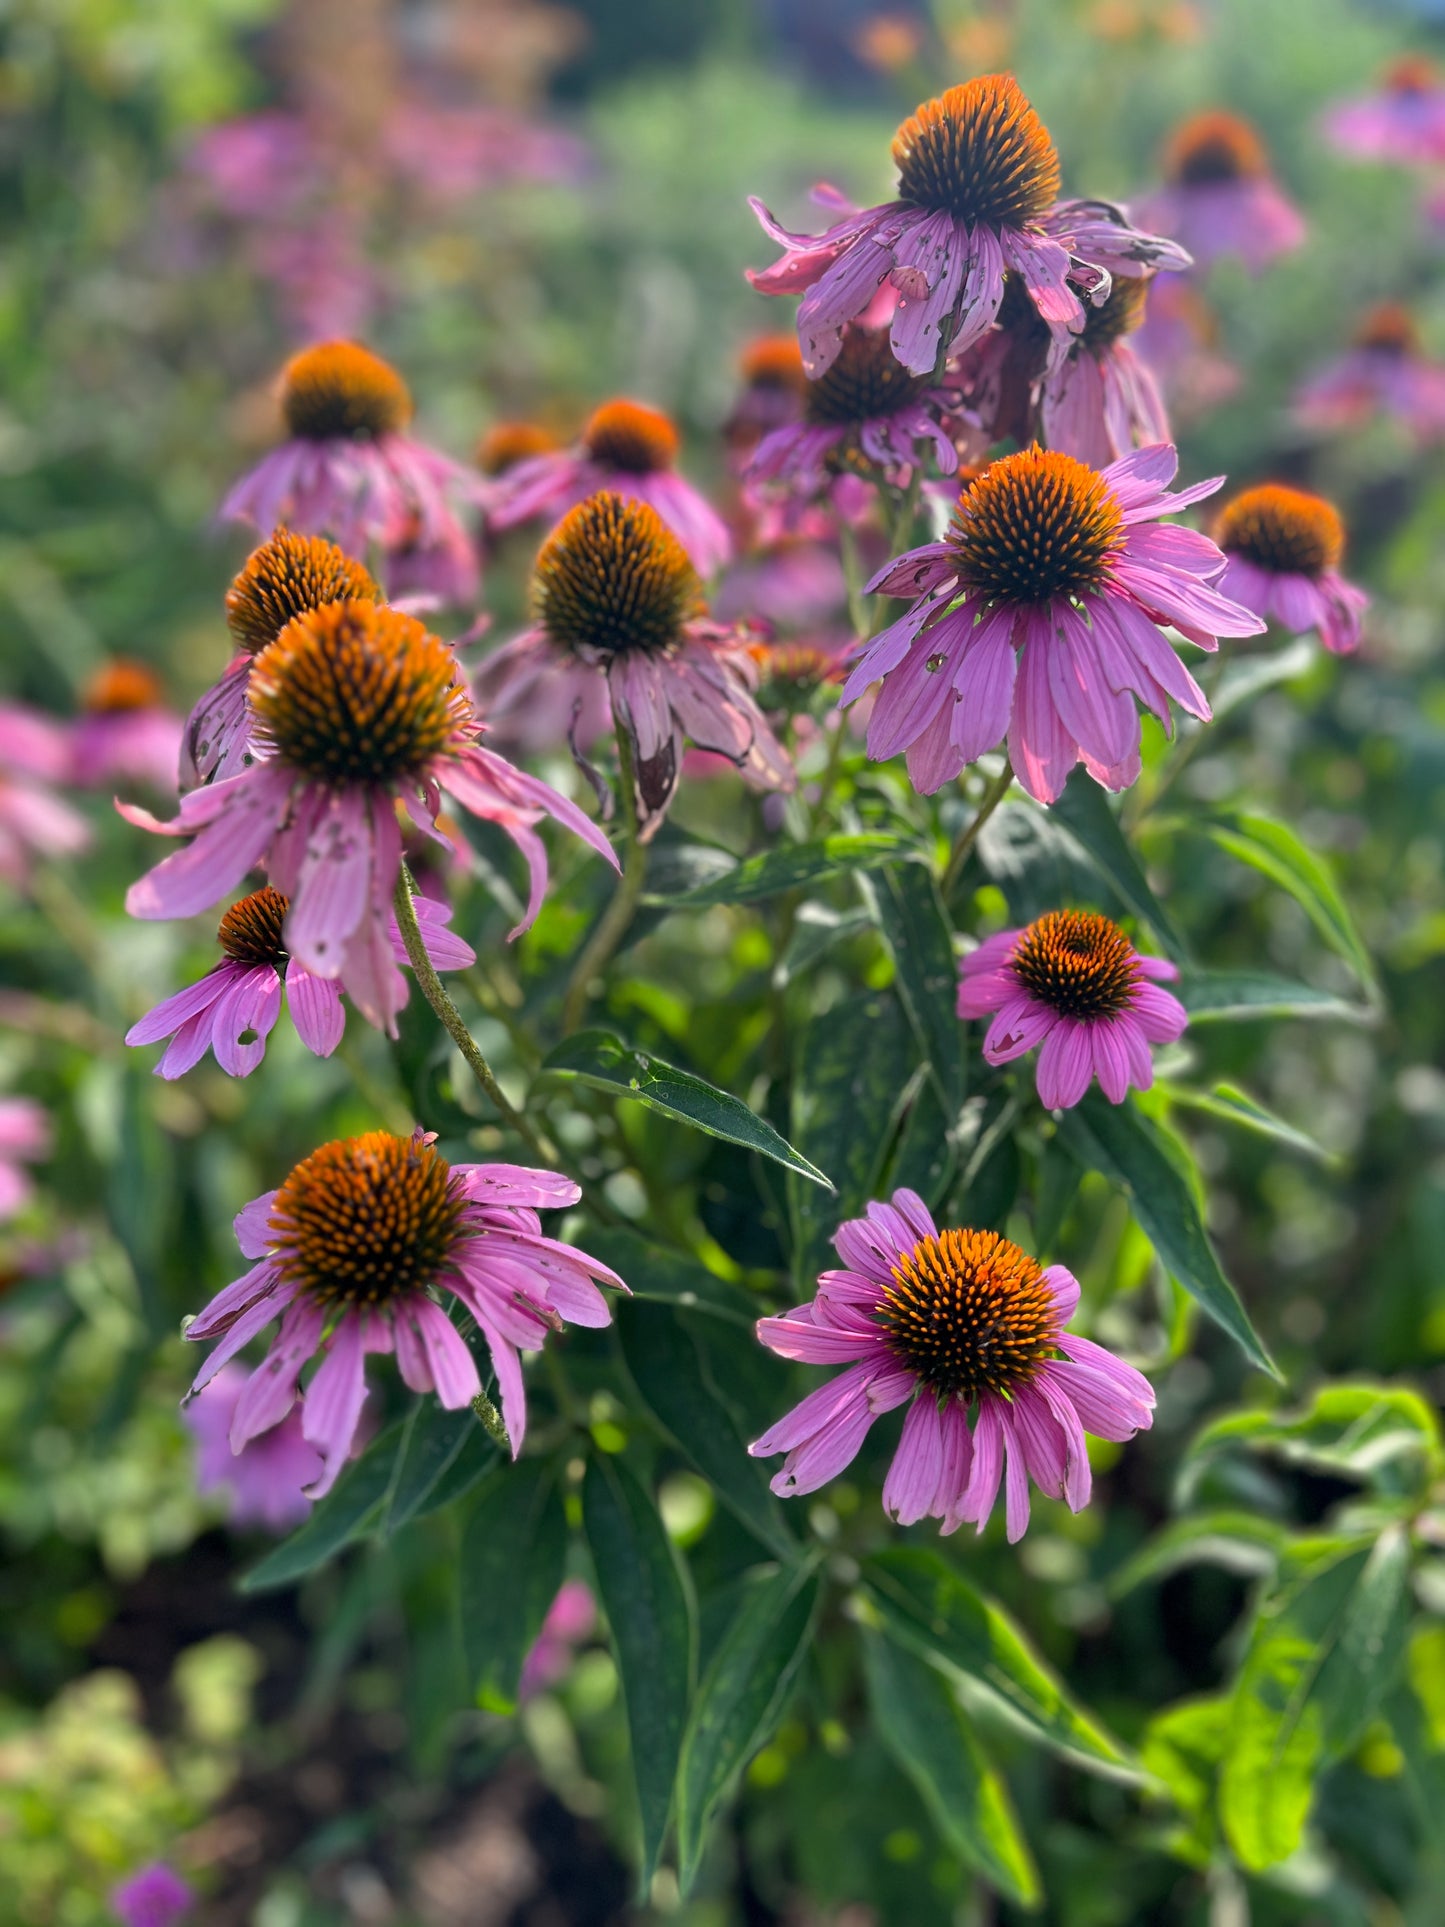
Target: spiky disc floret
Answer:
pixel 1285 530
pixel 1082 966
pixel 980 153
pixel 1033 526
pixel 970 1313
pixel 285 577
pixel 355 692
pixel 867 380
pixel 631 436
pixel 365 1220
pixel 611 577
pixel 250 931
pixel 338 389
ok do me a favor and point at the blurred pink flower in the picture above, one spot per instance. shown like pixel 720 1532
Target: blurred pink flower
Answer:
pixel 1283 548
pixel 24 1139
pixel 126 732
pixel 264 1480
pixel 1073 985
pixel 156 1896
pixel 1179 340
pixel 964 1320
pixel 356 707
pixel 1039 618
pixel 1404 121
pixel 349 1251
pixel 571 1620
pixel 1384 372
pixel 1219 196
pixel 34 821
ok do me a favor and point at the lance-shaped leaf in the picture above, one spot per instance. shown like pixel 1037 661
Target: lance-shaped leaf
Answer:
pixel 1233 1106
pixel 928 1733
pixel 1327 1644
pixel 1119 1142
pixel 1239 1542
pixel 1272 848
pixel 1233 996
pixel 350 1509
pixel 741 1699
pixel 433 1440
pixel 916 930
pixel 924 1604
pixel 1385 1435
pixel 789 866
pixel 1084 811
pixel 604 1062
pixel 649 1613
pixel 512 1557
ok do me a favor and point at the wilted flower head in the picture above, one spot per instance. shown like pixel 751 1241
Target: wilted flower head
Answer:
pixel 617 602
pixel 1039 618
pixel 35 753
pixel 126 732
pixel 971 1329
pixel 977 181
pixel 355 706
pixel 1284 547
pixel 1074 986
pixel 1385 371
pixel 265 1481
pixel 628 449
pixel 1403 121
pixel 233 1009
pixel 348 1254
pixel 349 470
pixel 1220 197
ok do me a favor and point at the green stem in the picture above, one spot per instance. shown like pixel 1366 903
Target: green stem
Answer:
pixel 436 995
pixel 997 790
pixel 615 921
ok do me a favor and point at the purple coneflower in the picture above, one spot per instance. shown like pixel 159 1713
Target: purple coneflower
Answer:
pixel 1073 985
pixel 972 1325
pixel 34 821
pixel 618 607
pixel 1283 549
pixel 1385 371
pixel 1404 121
pixel 773 393
pixel 125 733
pixel 977 180
pixel 349 1251
pixel 1219 196
pixel 155 1896
pixel 287 576
pixel 1039 619
pixel 24 1138
pixel 349 471
pixel 627 449
pixel 241 998
pixel 265 1481
pixel 356 706
pixel 1178 339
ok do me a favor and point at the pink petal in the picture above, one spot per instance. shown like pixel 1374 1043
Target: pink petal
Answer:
pixel 912 1482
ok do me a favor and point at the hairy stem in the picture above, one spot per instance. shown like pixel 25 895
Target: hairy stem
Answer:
pixel 997 790
pixel 615 921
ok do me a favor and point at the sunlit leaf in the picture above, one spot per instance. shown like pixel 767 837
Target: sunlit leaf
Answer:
pixel 1225 996
pixel 1273 848
pixel 1233 1106
pixel 788 866
pixel 1085 812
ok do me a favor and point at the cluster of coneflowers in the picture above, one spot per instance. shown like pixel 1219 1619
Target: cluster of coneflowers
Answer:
pixel 966 360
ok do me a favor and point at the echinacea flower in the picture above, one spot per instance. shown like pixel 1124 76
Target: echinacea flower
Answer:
pixel 34 821
pixel 508 443
pixel 125 733
pixel 773 392
pixel 1385 371
pixel 154 1896
pixel 1178 339
pixel 1072 985
pixel 1039 618
pixel 971 1329
pixel 356 706
pixel 24 1139
pixel 349 471
pixel 348 1253
pixel 1219 197
pixel 627 449
pixel 977 180
pixel 287 576
pixel 1403 121
pixel 1101 399
pixel 233 1009
pixel 1283 549
pixel 265 1481
pixel 865 416
pixel 619 607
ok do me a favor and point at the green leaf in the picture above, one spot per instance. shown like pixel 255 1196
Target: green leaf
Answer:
pixel 478 1456
pixel 1385 1435
pixel 671 1277
pixel 930 1737
pixel 849 1083
pixel 933 1610
pixel 434 1438
pixel 1122 1144
pixel 1240 1542
pixel 815 930
pixel 788 866
pixel 920 939
pixel 650 1615
pixel 671 1372
pixel 1250 676
pixel 512 1557
pixel 1273 849
pixel 1233 1106
pixel 602 1061
pixel 1182 1749
pixel 1232 996
pixel 741 1699
pixel 1326 1646
pixel 349 1509
pixel 1084 811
